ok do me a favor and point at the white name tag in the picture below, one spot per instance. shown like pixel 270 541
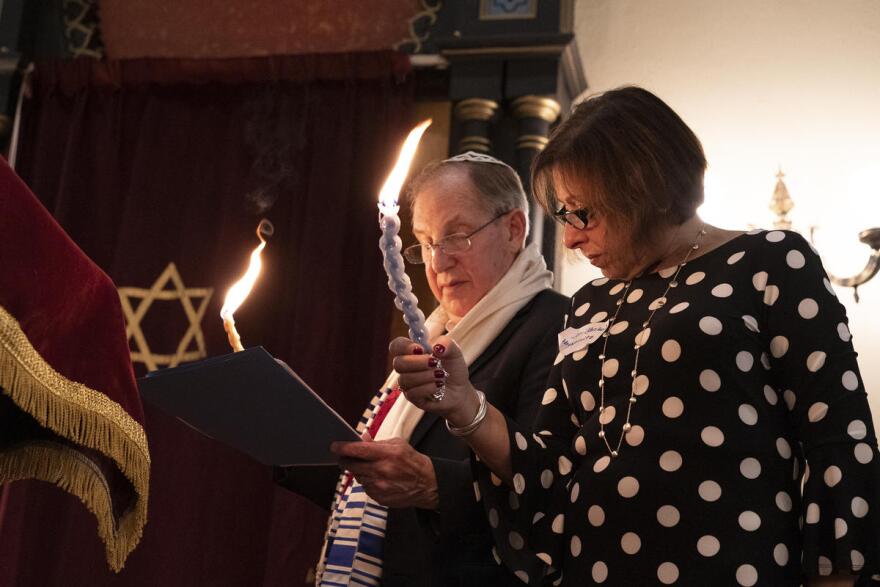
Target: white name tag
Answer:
pixel 572 340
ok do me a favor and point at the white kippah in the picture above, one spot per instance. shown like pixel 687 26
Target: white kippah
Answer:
pixel 474 157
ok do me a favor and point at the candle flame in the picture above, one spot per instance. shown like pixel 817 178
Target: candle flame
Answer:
pixel 240 290
pixel 391 189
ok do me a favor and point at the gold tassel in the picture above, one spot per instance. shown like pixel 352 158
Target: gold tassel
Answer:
pixel 85 417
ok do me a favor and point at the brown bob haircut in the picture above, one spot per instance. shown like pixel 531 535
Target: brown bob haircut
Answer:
pixel 628 156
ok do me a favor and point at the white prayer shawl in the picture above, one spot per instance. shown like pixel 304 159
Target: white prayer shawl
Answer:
pixel 352 551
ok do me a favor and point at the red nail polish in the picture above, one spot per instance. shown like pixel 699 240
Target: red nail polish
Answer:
pixel 439 373
pixel 418 350
pixel 439 349
pixel 432 362
pixel 440 383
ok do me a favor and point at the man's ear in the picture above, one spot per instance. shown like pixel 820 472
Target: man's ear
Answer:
pixel 516 223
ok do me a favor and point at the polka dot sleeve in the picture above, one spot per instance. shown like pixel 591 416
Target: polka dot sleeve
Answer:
pixel 527 519
pixel 814 366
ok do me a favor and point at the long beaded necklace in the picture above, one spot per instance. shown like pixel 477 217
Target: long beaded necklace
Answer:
pixel 640 339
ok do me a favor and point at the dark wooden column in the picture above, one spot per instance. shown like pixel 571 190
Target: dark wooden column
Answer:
pixel 474 116
pixel 510 68
pixel 534 115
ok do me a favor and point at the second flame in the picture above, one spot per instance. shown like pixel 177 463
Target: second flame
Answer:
pixel 240 290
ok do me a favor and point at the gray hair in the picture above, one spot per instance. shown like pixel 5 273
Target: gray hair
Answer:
pixel 498 186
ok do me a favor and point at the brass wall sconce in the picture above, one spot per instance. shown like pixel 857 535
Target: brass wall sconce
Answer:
pixel 781 204
pixel 871 237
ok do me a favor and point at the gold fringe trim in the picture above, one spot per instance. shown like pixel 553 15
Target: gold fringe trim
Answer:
pixel 76 474
pixel 87 418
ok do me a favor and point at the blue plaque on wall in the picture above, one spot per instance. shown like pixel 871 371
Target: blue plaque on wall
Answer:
pixel 508 9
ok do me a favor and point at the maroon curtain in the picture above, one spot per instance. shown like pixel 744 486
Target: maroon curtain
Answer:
pixel 147 163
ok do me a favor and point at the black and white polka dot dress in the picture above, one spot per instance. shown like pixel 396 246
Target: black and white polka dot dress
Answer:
pixel 748 388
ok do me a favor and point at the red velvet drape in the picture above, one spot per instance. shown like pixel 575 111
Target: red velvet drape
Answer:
pixel 145 163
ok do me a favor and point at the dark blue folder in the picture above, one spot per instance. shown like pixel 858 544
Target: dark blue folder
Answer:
pixel 251 402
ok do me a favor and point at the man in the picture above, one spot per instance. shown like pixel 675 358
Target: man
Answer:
pixel 407 513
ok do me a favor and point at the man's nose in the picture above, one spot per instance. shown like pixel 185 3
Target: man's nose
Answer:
pixel 440 261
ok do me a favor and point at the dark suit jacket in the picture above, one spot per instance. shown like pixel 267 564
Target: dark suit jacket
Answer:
pixel 452 546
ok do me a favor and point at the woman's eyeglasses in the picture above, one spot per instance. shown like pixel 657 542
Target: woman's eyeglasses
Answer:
pixel 454 244
pixel 579 219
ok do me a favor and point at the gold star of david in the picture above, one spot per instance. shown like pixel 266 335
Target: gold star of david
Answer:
pixel 142 353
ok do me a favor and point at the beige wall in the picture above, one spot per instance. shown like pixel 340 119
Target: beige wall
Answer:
pixel 763 83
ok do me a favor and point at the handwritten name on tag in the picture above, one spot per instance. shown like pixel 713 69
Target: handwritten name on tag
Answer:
pixel 572 340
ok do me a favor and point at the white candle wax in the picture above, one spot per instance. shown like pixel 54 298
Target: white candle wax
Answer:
pixel 398 281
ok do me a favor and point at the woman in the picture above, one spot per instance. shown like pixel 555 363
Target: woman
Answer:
pixel 692 383
pixel 406 514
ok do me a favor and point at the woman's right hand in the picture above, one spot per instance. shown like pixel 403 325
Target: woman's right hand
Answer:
pixel 421 376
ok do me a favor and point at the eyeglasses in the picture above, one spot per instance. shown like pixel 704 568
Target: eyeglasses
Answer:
pixel 454 244
pixel 579 219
